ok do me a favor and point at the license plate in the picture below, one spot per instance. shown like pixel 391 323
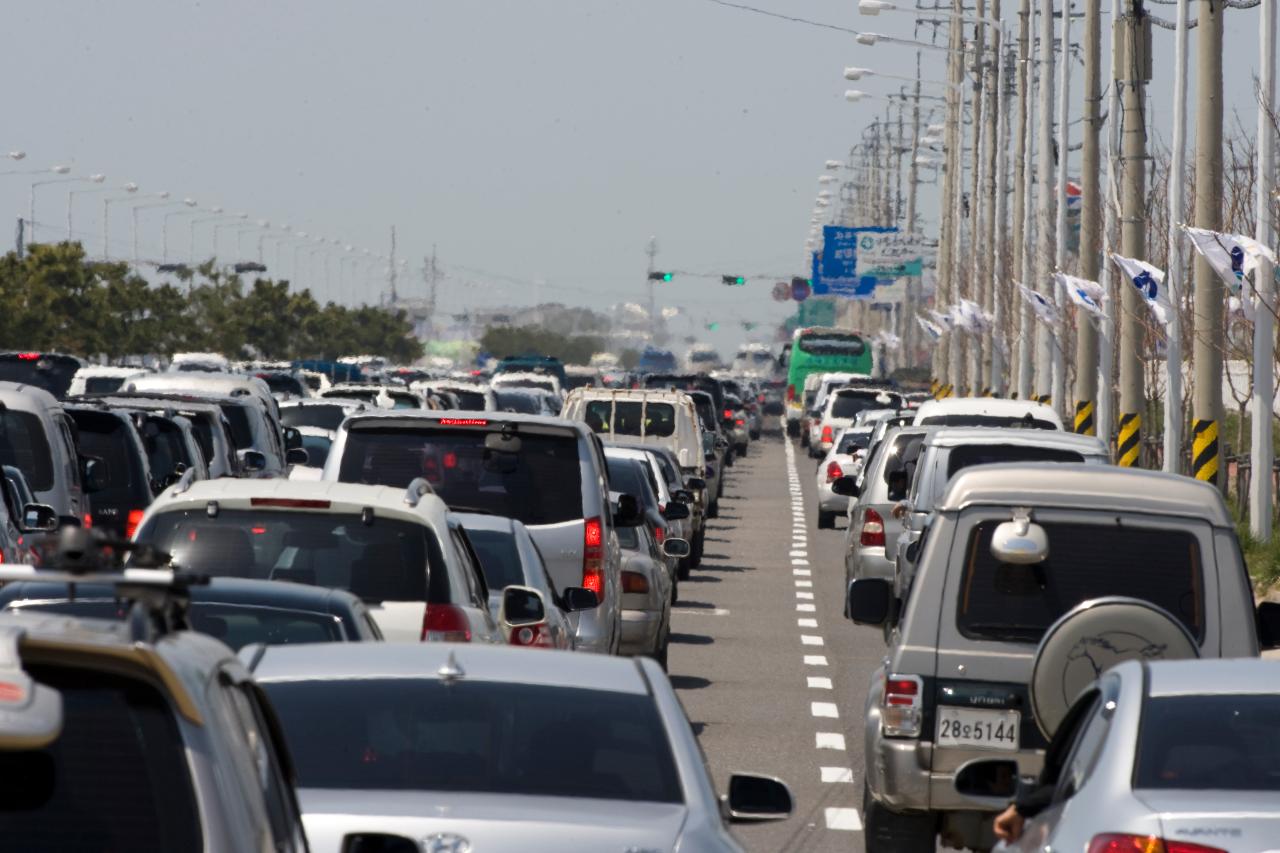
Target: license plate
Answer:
pixel 980 727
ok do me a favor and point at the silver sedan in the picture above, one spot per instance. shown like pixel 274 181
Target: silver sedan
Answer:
pixel 496 749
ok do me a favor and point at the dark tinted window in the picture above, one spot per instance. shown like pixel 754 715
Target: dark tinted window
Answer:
pixel 624 417
pixel 320 415
pixel 578 381
pixel 115 779
pixel 166 449
pixel 472 401
pixel 832 343
pixel 520 402
pixel 499 557
pixel 103 384
pixel 52 373
pixel 628 538
pixel 851 441
pixel 202 425
pixel 23 445
pixel 283 383
pixel 317 447
pixel 111 441
pixel 848 404
pixel 1218 741
pixel 999 601
pixel 387 560
pixel 986 421
pixel 484 737
pixel 241 430
pixel 627 476
pixel 540 484
pixel 991 454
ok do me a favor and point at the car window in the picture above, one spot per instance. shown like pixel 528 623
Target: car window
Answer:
pixel 967 456
pixel 631 417
pixel 469 400
pixel 102 384
pixel 476 736
pixel 23 444
pixel 1205 742
pixel 472 574
pixel 851 441
pixel 847 404
pixel 317 447
pixel 241 428
pixel 539 484
pixel 499 557
pixel 109 440
pixel 518 401
pixel 165 446
pixel 1084 752
pixel 975 420
pixel 116 778
pixel 999 601
pixel 388 560
pixel 258 766
pixel 316 415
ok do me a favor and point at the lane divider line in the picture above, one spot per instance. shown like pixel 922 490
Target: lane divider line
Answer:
pixel 815 660
pixel 807 623
pixel 837 775
pixel 824 709
pixel 843 819
pixel 817 682
pixel 830 740
pixel 810 640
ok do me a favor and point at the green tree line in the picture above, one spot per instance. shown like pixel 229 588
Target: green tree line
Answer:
pixel 56 299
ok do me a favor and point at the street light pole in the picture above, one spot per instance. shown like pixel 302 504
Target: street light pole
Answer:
pixel 130 188
pixel 134 213
pixel 191 234
pixel 71 197
pixel 164 227
pixel 1262 456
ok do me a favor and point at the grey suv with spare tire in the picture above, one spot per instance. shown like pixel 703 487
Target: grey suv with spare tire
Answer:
pixel 1012 550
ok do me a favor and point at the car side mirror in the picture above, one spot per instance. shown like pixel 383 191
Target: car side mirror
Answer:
pixel 292 438
pixel 846 485
pixel 753 797
pixel 987 782
pixel 39 518
pixel 297 456
pixel 627 513
pixel 676 547
pixel 869 600
pixel 252 461
pixel 696 483
pixel 1268 619
pixel 377 842
pixel 675 511
pixel 1020 542
pixel 521 605
pixel 91 473
pixel 580 598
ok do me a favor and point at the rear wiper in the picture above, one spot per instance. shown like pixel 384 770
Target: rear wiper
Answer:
pixel 1007 632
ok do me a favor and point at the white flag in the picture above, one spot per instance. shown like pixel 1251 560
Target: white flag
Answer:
pixel 930 328
pixel 943 320
pixel 888 340
pixel 975 318
pixel 1043 308
pixel 1084 293
pixel 1232 256
pixel 1150 283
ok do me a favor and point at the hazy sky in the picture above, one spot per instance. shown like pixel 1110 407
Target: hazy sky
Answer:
pixel 528 140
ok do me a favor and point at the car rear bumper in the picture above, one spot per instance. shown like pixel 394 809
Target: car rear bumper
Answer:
pixel 829 501
pixel 640 631
pixel 899 774
pixel 871 563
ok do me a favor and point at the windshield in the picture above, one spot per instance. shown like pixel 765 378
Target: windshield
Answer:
pixel 387 560
pixel 103 384
pixel 109 441
pixel 969 455
pixel 283 383
pixel 832 343
pixel 847 404
pixel 538 484
pixel 1223 742
pixel 975 420
pixel 1009 602
pixel 116 778
pixel 320 415
pixel 24 446
pixel 519 402
pixel 631 417
pixel 472 401
pixel 407 734
pixel 851 441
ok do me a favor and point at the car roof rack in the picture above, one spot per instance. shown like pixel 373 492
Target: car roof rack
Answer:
pixel 159 595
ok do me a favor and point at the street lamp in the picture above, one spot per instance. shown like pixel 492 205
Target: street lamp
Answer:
pixel 827 179
pixel 163 195
pixel 239 215
pixel 216 214
pixel 71 197
pixel 57 170
pixel 16 155
pixel 129 188
pixel 164 226
pixel 832 165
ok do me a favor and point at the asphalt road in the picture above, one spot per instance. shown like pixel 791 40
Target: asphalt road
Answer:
pixel 773 677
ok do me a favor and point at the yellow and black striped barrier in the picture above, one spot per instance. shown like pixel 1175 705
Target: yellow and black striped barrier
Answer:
pixel 934 385
pixel 1084 418
pixel 1044 398
pixel 1204 450
pixel 1130 440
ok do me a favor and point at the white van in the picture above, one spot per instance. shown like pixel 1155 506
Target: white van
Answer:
pixel 647 416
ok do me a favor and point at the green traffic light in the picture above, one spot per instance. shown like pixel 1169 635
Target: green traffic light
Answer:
pixel 666 276
pixel 739 280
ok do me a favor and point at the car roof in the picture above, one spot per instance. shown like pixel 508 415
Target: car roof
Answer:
pixel 959 436
pixel 19 395
pixel 224 590
pixel 407 417
pixel 503 664
pixel 986 406
pixel 1258 676
pixel 665 394
pixel 1090 487
pixel 354 494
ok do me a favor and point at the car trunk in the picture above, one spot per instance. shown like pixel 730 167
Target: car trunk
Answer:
pixel 1239 821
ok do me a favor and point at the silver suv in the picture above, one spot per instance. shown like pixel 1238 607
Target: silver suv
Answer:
pixel 953 688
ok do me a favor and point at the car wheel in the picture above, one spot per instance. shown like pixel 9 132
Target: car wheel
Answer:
pixel 742 450
pixel 755 436
pixel 713 511
pixel 826 520
pixel 695 558
pixel 887 831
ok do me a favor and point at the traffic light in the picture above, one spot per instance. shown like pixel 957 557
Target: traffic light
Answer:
pixel 711 327
pixel 659 276
pixel 733 279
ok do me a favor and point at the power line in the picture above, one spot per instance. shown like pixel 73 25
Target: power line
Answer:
pixel 780 16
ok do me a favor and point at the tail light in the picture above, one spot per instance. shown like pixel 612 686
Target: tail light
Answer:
pixel 828 437
pixel 791 393
pixel 444 623
pixel 834 472
pixel 872 530
pixel 634 582
pixel 759 398
pixel 728 414
pixel 900 706
pixel 132 520
pixel 538 636
pixel 659 533
pixel 1122 842
pixel 593 556
pixel 739 421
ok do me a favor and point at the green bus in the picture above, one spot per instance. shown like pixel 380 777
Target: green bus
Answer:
pixel 821 350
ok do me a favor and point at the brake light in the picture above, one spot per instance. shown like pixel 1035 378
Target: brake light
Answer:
pixel 1123 842
pixel 88 519
pixel 28 356
pixel 872 530
pixel 132 520
pixel 739 422
pixel 444 623
pixel 827 436
pixel 834 472
pixel 593 556
pixel 659 533
pixel 464 422
pixel 289 503
pixel 728 413
pixel 531 635
pixel 634 582
pixel 900 706
pixel 791 393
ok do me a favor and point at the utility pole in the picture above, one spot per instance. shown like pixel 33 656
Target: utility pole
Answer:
pixel 1263 325
pixel 986 285
pixel 1175 280
pixel 652 251
pixel 1045 207
pixel 1106 323
pixel 910 301
pixel 1090 220
pixel 1133 61
pixel 1207 404
pixel 977 269
pixel 431 272
pixel 391 277
pixel 948 348
pixel 1024 246
pixel 1059 392
pixel 999 284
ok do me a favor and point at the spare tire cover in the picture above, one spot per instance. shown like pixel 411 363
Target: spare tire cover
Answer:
pixel 1092 637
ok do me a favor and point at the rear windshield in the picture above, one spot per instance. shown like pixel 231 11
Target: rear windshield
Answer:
pixel 1222 742
pixel 580 382
pixel 851 441
pixel 388 560
pixel 991 454
pixel 472 401
pixel 404 401
pixel 627 476
pixel 959 420
pixel 499 557
pixel 623 417
pixel 847 404
pixel 317 447
pixel 166 449
pixel 318 415
pixel 117 777
pixel 24 446
pixel 476 736
pixel 52 373
pixel 520 402
pixel 109 440
pixel 541 484
pixel 103 384
pixel 281 383
pixel 1017 603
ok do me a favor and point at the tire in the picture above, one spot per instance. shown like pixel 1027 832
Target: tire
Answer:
pixel 713 511
pixel 755 436
pixel 793 429
pixel 826 520
pixel 682 570
pixel 742 450
pixel 695 558
pixel 887 831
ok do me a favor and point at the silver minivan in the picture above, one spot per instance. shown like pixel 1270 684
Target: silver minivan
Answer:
pixel 38 438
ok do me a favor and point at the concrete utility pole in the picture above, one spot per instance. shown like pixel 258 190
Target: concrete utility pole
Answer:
pixel 1045 223
pixel 1175 280
pixel 652 251
pixel 1263 325
pixel 1024 220
pixel 1132 42
pixel 977 188
pixel 1059 391
pixel 1209 296
pixel 1090 220
pixel 986 285
pixel 949 362
pixel 391 268
pixel 1106 323
pixel 999 285
pixel 910 302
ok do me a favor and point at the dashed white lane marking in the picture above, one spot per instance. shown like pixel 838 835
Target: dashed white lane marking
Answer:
pixel 842 775
pixel 806 608
pixel 810 640
pixel 815 660
pixel 846 819
pixel 804 583
pixel 800 594
pixel 816 682
pixel 807 623
pixel 803 573
pixel 829 740
pixel 799 561
pixel 825 709
pixel 700 611
pixel 798 553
